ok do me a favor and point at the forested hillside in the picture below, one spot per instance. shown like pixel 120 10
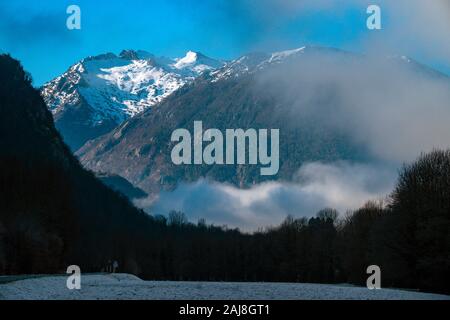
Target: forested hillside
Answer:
pixel 52 212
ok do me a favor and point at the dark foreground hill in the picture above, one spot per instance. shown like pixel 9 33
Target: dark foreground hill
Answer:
pixel 52 212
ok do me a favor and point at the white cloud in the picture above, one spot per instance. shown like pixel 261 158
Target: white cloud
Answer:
pixel 340 185
pixel 394 108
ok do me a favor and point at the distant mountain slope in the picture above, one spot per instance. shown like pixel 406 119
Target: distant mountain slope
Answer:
pixel 122 185
pixel 303 92
pixel 235 96
pixel 100 92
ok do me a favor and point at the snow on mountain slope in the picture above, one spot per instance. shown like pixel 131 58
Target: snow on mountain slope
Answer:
pixel 105 90
pixel 256 61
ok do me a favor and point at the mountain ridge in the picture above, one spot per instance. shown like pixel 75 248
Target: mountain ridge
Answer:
pixel 258 90
pixel 100 92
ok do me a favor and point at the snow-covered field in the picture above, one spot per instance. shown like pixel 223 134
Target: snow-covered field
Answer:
pixel 125 286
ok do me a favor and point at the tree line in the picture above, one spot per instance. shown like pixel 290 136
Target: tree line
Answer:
pixel 408 238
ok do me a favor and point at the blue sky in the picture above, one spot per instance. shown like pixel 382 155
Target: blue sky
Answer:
pixel 35 32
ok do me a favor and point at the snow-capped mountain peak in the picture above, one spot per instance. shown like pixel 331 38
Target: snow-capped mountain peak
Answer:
pixel 196 62
pixel 100 92
pixel 189 59
pixel 109 88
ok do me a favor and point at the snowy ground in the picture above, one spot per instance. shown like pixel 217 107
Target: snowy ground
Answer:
pixel 124 286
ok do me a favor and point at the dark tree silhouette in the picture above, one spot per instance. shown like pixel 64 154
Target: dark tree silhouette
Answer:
pixel 421 216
